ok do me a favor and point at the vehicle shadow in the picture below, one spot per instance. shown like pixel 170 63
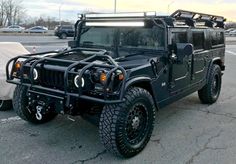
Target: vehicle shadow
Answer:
pixel 66 141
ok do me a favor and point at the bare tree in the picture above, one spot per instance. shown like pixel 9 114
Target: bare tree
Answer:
pixel 11 12
pixel 2 12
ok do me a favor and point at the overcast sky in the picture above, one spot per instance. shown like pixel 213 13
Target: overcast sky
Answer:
pixel 70 8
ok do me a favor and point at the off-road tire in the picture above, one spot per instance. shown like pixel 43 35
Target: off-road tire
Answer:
pixel 63 36
pixel 5 105
pixel 211 91
pixel 20 101
pixel 114 120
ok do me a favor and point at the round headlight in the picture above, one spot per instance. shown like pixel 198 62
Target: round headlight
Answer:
pixel 76 81
pixel 35 74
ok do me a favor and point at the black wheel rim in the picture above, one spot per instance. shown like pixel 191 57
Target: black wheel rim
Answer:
pixel 63 36
pixel 215 86
pixel 136 124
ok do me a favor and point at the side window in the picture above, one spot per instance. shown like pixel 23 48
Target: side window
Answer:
pixel 198 40
pixel 67 27
pixel 179 37
pixel 221 39
pixel 217 38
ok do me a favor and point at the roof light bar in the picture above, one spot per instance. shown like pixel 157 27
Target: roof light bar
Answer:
pixel 117 15
pixel 116 24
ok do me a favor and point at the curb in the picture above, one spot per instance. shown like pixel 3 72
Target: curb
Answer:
pixel 42 43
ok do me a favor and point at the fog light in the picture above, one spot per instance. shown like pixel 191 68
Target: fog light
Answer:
pixel 35 74
pixel 77 81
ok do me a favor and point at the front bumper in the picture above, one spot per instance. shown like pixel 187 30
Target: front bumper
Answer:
pixel 65 95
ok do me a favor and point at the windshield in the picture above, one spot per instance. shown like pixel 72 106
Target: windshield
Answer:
pixel 122 38
pixel 97 36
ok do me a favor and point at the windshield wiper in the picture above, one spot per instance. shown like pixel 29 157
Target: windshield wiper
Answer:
pixel 140 52
pixel 130 55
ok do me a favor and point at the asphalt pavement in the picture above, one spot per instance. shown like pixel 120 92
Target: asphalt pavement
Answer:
pixel 185 132
pixel 35 40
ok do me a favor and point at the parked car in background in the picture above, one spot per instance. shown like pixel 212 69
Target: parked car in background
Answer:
pixel 228 30
pixel 37 29
pixel 64 31
pixel 8 50
pixel 232 33
pixel 13 28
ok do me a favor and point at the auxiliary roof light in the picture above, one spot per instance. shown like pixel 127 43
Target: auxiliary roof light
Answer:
pixel 80 16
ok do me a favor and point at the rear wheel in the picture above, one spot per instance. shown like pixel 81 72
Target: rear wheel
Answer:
pixel 5 105
pixel 23 110
pixel 126 128
pixel 211 91
pixel 63 36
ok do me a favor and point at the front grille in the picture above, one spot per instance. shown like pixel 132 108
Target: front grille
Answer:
pixel 52 79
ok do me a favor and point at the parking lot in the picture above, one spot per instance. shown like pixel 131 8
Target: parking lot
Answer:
pixel 185 132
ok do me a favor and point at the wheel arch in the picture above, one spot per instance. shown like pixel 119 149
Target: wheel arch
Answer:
pixel 219 62
pixel 142 82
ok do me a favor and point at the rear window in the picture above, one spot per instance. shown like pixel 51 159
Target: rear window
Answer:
pixel 67 27
pixel 217 38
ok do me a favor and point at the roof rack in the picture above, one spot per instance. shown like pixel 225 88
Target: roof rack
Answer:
pixel 191 18
pixel 188 17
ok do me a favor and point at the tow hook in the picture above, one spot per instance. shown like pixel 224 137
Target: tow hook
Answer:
pixel 38 113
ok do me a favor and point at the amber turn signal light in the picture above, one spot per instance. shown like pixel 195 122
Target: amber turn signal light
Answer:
pixel 103 77
pixel 17 65
pixel 121 77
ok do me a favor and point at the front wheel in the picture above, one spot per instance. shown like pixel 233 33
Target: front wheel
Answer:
pixel 26 112
pixel 211 91
pixel 126 128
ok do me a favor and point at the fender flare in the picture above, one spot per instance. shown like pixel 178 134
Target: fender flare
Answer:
pixel 213 60
pixel 137 80
pixel 142 79
pixel 211 64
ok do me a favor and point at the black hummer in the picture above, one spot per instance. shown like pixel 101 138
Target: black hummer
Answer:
pixel 119 70
pixel 64 31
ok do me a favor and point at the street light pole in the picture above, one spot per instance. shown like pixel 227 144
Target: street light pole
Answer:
pixel 169 6
pixel 114 6
pixel 60 14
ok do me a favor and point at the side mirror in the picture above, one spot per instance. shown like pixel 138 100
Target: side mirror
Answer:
pixel 183 50
pixel 73 44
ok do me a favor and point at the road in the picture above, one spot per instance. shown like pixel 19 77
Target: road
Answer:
pixel 34 40
pixel 185 132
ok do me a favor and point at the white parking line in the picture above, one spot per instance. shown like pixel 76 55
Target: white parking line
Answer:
pixel 10 119
pixel 231 53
